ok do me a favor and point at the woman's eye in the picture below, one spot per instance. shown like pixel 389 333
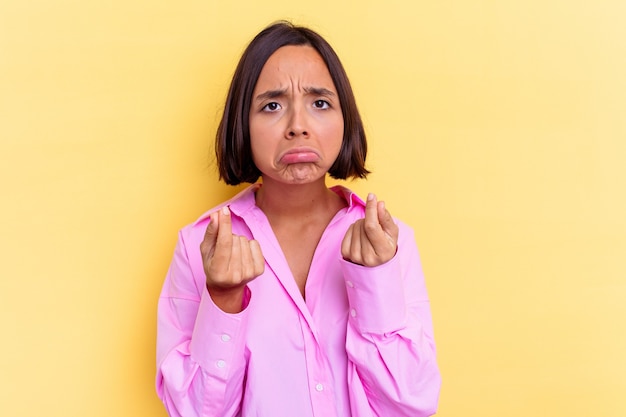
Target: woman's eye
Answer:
pixel 321 104
pixel 271 106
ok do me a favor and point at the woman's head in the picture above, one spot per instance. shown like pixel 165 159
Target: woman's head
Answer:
pixel 233 150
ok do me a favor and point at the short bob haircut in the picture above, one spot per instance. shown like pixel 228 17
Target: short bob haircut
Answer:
pixel 232 144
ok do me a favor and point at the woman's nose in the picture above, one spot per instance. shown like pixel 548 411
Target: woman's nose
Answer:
pixel 297 124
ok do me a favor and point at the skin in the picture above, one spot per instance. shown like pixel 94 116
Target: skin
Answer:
pixel 295 115
pixel 296 131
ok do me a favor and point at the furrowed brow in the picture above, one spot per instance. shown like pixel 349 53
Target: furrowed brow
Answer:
pixel 270 94
pixel 319 91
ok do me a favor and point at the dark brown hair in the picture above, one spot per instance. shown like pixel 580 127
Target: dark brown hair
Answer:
pixel 232 144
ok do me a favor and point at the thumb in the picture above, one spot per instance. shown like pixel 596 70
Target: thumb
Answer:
pixel 210 235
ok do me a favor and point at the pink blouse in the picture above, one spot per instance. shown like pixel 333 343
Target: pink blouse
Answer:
pixel 360 345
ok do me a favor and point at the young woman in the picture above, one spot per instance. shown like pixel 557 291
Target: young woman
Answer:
pixel 294 299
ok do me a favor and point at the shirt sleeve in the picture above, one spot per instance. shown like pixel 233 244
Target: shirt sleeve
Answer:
pixel 390 343
pixel 200 349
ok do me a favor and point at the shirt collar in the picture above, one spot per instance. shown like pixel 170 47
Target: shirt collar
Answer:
pixel 349 196
pixel 238 205
pixel 244 201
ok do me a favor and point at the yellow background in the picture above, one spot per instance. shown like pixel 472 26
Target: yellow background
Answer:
pixel 497 130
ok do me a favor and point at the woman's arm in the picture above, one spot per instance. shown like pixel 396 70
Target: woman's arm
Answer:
pixel 390 343
pixel 200 348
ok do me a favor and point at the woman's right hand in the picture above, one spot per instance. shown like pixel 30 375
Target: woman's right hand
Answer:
pixel 230 262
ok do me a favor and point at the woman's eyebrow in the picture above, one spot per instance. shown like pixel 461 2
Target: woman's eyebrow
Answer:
pixel 316 91
pixel 319 91
pixel 270 94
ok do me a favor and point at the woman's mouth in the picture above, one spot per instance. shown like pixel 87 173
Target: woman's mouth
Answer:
pixel 299 156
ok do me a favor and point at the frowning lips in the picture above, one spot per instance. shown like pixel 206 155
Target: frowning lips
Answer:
pixel 299 155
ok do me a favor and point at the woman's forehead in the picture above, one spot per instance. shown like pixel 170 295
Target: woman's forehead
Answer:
pixel 295 64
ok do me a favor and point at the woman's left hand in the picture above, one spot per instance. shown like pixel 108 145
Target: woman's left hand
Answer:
pixel 373 240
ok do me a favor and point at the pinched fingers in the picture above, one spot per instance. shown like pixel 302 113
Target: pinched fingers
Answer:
pixel 229 260
pixel 358 248
pixel 371 241
pixel 379 226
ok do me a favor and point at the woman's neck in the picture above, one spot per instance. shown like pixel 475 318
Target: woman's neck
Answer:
pixel 298 201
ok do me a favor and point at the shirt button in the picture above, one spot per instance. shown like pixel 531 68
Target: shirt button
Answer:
pixel 353 313
pixel 319 387
pixel 221 364
pixel 350 284
pixel 225 338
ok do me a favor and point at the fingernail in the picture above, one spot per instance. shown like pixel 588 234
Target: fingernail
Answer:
pixel 225 211
pixel 370 196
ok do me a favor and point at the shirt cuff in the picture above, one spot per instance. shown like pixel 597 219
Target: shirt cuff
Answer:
pixel 217 342
pixel 376 296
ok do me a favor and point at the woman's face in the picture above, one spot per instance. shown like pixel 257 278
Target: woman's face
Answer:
pixel 296 124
